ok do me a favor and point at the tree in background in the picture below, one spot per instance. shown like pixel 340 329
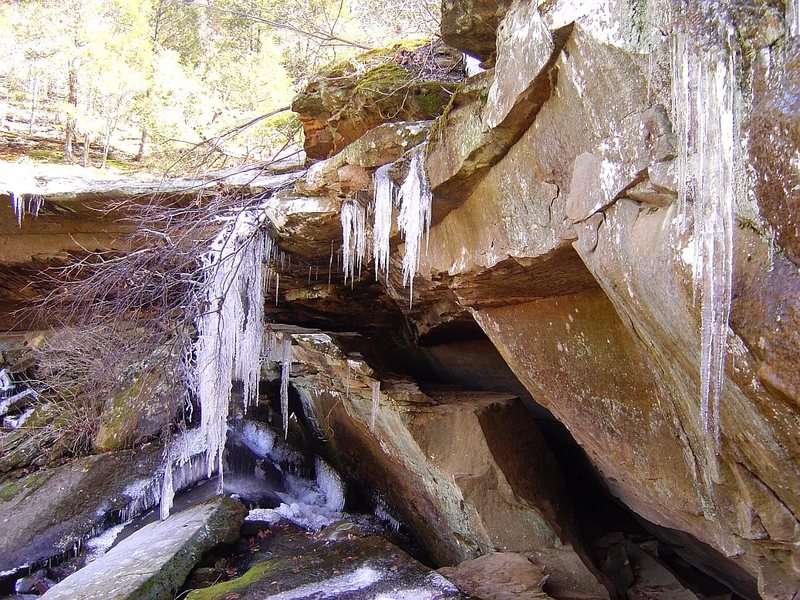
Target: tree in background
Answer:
pixel 169 74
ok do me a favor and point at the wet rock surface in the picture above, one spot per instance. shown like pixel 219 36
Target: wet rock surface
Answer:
pixel 153 562
pixel 280 561
pixel 48 512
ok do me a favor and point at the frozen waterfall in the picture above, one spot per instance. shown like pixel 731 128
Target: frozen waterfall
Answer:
pixel 230 326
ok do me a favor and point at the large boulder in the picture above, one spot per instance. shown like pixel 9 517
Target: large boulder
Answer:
pixel 360 568
pixel 471 26
pixel 577 255
pixel 47 513
pixel 402 83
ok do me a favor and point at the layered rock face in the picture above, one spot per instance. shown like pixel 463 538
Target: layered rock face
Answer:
pixel 607 209
pixel 614 238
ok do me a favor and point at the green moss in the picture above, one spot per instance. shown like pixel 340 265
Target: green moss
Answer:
pixel 8 491
pixel 437 129
pixel 348 67
pixel 386 78
pixel 434 100
pixel 253 574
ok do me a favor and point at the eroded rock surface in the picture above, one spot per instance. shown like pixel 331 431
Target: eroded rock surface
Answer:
pixel 46 513
pixel 468 471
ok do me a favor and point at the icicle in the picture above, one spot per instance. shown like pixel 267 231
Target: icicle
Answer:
pixel 331 485
pixel 167 492
pixel 22 205
pixel 376 396
pixel 354 237
pixel 414 220
pixel 230 328
pixel 710 167
pixel 330 265
pixel 382 223
pixel 286 367
pixel 793 17
pixel 277 286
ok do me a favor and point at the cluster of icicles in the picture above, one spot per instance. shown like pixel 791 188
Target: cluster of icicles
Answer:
pixel 25 204
pixel 231 337
pixel 413 198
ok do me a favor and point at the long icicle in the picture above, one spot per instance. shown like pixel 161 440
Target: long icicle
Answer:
pixel 704 109
pixel 286 367
pixel 382 223
pixel 414 219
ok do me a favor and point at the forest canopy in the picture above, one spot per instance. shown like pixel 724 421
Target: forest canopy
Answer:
pixel 155 76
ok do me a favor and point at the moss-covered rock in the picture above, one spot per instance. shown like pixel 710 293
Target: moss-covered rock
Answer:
pixel 368 567
pixel 135 411
pixel 401 83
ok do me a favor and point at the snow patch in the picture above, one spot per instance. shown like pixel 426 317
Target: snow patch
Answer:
pixel 335 587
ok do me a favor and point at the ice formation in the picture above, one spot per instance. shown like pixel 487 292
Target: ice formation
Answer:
pixel 311 504
pixel 347 584
pixel 710 171
pixel 25 204
pixel 230 327
pixel 286 368
pixel 354 238
pixel 414 220
pixel 331 485
pixel 793 17
pixel 376 396
pixel 382 219
pixel 6 381
pixel 385 516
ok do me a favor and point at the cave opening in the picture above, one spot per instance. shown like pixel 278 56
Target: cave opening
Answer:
pixel 622 545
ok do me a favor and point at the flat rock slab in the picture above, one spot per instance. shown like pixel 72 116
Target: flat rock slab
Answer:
pixel 327 566
pixel 152 563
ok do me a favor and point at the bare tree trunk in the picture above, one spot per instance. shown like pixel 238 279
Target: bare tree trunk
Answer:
pixel 106 144
pixel 142 147
pixel 85 149
pixel 34 100
pixel 72 100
